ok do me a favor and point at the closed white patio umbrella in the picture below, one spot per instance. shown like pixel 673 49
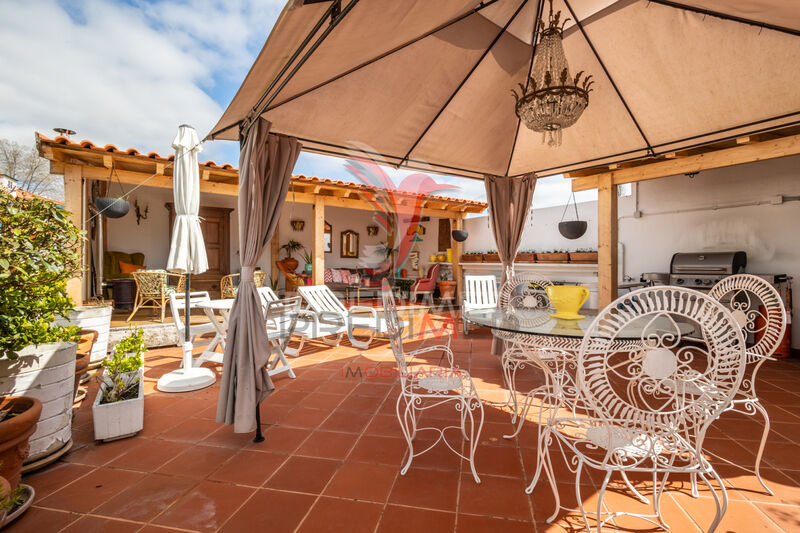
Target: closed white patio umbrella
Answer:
pixel 187 252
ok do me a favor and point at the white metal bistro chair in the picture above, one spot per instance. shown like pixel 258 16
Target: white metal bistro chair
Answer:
pixel 642 417
pixel 759 311
pixel 177 305
pixel 524 291
pixel 480 292
pixel 280 318
pixel 427 387
pixel 330 311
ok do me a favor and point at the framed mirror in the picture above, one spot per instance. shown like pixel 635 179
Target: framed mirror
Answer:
pixel 349 247
pixel 328 236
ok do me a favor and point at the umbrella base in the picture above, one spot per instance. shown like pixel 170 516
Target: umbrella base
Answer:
pixel 186 380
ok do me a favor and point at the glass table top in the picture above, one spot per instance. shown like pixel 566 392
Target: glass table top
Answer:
pixel 539 322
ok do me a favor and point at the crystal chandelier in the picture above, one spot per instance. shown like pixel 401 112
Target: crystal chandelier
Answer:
pixel 553 99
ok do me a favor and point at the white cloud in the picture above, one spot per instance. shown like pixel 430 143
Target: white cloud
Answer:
pixel 119 74
pixel 129 75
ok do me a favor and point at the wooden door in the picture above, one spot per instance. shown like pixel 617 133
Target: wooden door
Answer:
pixel 216 224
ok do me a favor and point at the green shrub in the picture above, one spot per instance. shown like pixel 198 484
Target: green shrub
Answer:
pixel 39 252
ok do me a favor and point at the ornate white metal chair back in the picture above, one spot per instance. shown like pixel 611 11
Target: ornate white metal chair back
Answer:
pixel 394 327
pixel 653 384
pixel 525 291
pixel 757 308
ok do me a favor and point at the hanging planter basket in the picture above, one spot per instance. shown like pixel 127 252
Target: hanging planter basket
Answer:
pixel 572 229
pixel 459 235
pixel 112 207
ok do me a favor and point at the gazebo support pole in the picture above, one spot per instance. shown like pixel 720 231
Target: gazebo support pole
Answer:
pixel 607 239
pixel 318 246
pixel 259 436
pixel 73 202
pixel 458 224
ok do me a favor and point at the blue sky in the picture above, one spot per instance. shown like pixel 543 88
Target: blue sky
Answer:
pixel 128 72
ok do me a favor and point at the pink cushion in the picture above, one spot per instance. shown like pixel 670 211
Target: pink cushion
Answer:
pixel 346 276
pixel 336 276
pixel 328 277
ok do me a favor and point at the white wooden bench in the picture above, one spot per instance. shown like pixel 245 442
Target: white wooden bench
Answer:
pixel 480 292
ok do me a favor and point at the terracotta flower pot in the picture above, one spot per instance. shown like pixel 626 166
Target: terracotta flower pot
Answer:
pixel 526 257
pixel 290 263
pixel 447 290
pixel 84 351
pixel 14 434
pixel 552 257
pixel 583 257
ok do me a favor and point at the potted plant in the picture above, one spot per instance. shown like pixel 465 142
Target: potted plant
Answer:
pixel 95 317
pixel 112 207
pixel 309 259
pixel 290 248
pixel 526 257
pixel 583 256
pixel 13 502
pixel 447 288
pixel 87 339
pixel 555 256
pixel 491 257
pixel 472 257
pixel 39 252
pixel 118 409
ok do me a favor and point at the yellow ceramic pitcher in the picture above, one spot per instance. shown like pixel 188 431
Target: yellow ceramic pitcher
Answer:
pixel 567 299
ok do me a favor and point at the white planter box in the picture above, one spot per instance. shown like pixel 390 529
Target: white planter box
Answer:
pixel 96 317
pixel 46 372
pixel 118 420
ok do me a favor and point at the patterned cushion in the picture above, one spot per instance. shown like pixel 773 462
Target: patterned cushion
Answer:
pixel 328 277
pixel 355 278
pixel 345 276
pixel 336 276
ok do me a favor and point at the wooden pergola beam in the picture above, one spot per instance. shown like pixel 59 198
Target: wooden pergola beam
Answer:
pixel 737 155
pixel 230 189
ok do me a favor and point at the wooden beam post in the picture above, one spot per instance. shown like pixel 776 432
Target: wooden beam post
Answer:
pixel 457 247
pixel 318 273
pixel 73 202
pixel 607 241
pixel 274 252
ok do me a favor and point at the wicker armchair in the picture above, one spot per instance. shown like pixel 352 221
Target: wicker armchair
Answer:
pixel 228 288
pixel 153 289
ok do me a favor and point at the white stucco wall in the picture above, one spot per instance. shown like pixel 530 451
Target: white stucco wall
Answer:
pixel 715 211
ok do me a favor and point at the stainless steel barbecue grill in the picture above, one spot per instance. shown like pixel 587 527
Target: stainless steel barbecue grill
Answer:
pixel 703 270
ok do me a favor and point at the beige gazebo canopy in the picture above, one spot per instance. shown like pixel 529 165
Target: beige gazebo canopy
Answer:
pixel 427 84
pixel 680 87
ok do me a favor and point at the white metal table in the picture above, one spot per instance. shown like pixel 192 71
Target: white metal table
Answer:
pixel 211 307
pixel 223 307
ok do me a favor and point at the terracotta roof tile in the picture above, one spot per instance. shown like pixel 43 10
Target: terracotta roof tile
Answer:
pixel 86 144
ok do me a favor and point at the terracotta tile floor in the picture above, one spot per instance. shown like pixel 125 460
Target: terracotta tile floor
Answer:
pixel 332 453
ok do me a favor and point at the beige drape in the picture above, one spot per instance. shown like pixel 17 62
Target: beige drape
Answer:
pixel 512 197
pixel 265 165
pixel 509 202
